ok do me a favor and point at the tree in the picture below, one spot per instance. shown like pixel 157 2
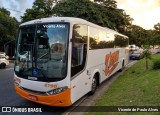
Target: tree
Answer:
pixel 103 13
pixel 157 27
pixel 40 9
pixel 153 37
pixel 3 10
pixel 137 35
pixel 84 9
pixel 117 16
pixel 8 27
pixel 147 54
pixel 107 3
pixel 156 34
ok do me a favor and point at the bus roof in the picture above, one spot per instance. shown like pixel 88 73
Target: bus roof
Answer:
pixel 71 20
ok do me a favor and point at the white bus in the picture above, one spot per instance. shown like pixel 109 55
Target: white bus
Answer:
pixel 60 59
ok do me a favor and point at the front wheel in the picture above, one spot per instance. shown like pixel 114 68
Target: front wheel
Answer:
pixel 94 85
pixel 2 65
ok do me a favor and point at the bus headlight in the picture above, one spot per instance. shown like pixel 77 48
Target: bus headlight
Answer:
pixel 17 84
pixel 57 90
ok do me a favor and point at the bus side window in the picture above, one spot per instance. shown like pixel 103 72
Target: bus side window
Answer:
pixel 78 55
pixel 79 48
pixel 74 56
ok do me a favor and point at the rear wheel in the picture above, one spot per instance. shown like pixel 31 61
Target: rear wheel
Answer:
pixel 94 85
pixel 122 67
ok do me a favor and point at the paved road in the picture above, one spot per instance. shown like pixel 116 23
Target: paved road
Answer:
pixel 8 96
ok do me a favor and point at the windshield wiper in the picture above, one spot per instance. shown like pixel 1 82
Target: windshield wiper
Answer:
pixel 44 75
pixel 43 55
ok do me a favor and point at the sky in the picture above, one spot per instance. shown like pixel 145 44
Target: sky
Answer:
pixel 17 5
pixel 146 13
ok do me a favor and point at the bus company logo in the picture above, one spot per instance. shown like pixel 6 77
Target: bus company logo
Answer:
pixel 54 26
pixel 111 62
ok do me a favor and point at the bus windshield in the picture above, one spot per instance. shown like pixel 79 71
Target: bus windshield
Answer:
pixel 41 52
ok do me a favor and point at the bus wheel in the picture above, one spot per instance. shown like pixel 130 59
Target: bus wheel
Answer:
pixel 122 67
pixel 2 65
pixel 94 85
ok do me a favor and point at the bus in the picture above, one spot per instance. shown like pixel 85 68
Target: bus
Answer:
pixel 61 59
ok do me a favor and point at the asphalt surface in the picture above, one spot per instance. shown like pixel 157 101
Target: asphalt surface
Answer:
pixel 8 96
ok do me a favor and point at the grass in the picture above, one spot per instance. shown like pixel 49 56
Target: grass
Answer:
pixel 136 87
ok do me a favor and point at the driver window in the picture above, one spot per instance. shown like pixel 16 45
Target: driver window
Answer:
pixel 79 48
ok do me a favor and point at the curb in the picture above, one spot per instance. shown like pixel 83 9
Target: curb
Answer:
pixel 90 100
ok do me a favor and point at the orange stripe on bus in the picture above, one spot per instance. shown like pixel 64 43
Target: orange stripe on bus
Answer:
pixel 111 62
pixel 62 99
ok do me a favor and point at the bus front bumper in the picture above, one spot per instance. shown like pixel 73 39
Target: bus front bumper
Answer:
pixel 60 100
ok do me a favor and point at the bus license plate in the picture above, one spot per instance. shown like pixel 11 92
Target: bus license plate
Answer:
pixel 34 98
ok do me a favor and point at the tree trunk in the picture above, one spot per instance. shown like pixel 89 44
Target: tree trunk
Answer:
pixel 146 63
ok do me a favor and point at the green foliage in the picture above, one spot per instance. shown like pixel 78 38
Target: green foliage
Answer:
pixel 157 27
pixel 156 64
pixel 147 54
pixel 40 9
pixel 8 27
pixel 107 3
pixel 136 87
pixel 153 38
pixel 84 9
pixel 140 36
pixel 3 10
pixel 137 35
pixel 104 14
pixel 32 14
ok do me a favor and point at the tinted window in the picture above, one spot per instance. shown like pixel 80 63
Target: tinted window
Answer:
pixel 94 38
pixel 100 39
pixel 42 51
pixel 121 41
pixel 79 48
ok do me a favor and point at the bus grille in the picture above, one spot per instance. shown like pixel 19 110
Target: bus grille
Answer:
pixel 33 92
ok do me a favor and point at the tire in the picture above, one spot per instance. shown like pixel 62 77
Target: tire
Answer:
pixel 3 65
pixel 94 85
pixel 122 67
